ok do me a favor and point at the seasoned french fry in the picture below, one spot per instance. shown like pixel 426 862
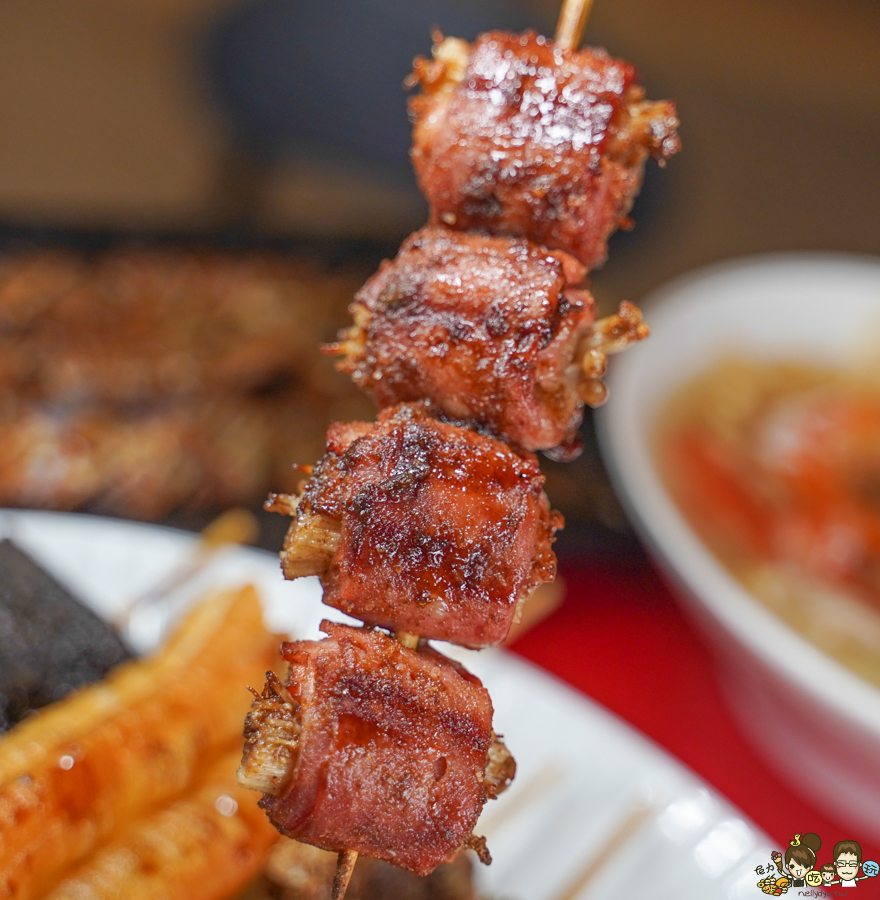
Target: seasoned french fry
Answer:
pixel 203 846
pixel 91 764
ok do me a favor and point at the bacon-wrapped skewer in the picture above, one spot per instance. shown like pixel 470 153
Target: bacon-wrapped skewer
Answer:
pixel 423 527
pixel 374 748
pixel 514 135
pixel 491 330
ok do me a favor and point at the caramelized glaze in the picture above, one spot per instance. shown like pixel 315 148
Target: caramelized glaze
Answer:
pixel 515 136
pixel 392 752
pixel 484 327
pixel 442 531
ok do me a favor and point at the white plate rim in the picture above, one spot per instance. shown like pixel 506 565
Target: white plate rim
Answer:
pixel 616 736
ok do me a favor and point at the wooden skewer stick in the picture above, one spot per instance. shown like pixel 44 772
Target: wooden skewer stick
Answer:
pixel 344 868
pixel 631 824
pixel 572 18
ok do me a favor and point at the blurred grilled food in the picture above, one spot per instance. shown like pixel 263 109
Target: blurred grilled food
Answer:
pixel 95 763
pixel 204 845
pixel 137 381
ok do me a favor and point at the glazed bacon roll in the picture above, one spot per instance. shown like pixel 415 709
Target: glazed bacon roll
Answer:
pixel 373 747
pixel 422 527
pixel 490 330
pixel 513 135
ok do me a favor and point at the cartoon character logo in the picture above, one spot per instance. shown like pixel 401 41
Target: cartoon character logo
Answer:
pixel 798 866
pixel 773 885
pixel 847 860
pixel 827 873
pixel 800 857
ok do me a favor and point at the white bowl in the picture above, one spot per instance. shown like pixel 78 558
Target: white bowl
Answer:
pixel 814 721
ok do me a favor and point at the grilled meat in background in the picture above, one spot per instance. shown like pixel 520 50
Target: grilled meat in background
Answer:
pixel 168 380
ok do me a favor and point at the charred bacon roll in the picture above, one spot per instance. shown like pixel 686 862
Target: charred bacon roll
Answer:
pixel 422 527
pixel 384 750
pixel 491 330
pixel 513 135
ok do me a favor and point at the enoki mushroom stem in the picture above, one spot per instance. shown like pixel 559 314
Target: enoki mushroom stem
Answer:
pixel 271 732
pixel 608 335
pixel 310 545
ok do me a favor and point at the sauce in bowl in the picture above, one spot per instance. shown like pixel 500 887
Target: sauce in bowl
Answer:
pixel 776 466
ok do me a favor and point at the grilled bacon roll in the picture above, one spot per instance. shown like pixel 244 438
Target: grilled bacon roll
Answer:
pixel 491 330
pixel 515 136
pixel 423 527
pixel 388 749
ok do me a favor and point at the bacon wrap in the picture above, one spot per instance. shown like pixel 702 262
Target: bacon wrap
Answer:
pixel 485 328
pixel 392 751
pixel 443 531
pixel 515 136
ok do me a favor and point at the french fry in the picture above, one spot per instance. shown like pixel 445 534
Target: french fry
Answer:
pixel 93 763
pixel 203 846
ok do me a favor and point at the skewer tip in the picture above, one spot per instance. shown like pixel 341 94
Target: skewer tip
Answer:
pixel 570 27
pixel 344 868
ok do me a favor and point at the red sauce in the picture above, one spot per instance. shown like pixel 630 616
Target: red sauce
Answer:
pixel 777 468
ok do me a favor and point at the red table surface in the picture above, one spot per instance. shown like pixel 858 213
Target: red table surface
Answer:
pixel 621 638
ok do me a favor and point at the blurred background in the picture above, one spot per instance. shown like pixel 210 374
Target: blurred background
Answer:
pixel 191 191
pixel 283 117
pixel 280 126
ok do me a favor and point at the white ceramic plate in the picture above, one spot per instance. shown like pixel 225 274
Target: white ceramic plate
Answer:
pixel 593 804
pixel 825 734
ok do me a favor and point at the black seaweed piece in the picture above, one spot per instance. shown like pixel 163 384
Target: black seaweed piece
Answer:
pixel 50 643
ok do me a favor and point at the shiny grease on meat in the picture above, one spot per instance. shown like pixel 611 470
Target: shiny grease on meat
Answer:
pixel 486 328
pixel 493 331
pixel 440 531
pixel 513 135
pixel 392 752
